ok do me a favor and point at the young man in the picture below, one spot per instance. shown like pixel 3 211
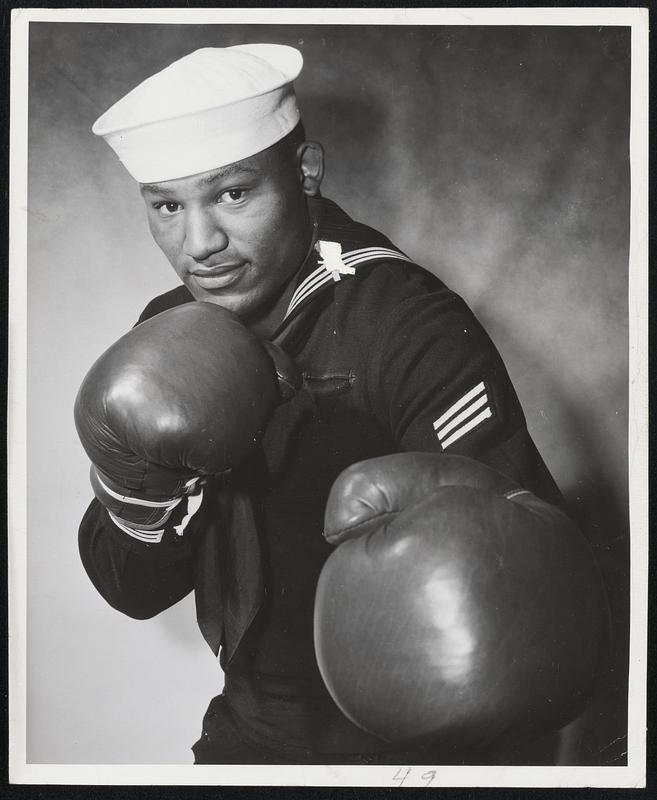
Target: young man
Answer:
pixel 470 614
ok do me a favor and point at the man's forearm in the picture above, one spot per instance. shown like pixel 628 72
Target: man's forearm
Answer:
pixel 138 580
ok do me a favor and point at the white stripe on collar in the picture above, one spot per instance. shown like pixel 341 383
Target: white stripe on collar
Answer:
pixel 336 266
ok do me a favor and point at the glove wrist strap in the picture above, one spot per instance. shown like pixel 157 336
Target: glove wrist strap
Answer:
pixel 135 510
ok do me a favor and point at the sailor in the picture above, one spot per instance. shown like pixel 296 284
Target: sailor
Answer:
pixel 317 437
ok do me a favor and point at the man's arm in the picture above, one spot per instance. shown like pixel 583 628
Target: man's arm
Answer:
pixel 138 579
pixel 181 398
pixel 469 584
pixel 437 382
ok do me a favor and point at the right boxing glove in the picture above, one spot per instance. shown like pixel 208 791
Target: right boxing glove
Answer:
pixel 184 395
pixel 458 609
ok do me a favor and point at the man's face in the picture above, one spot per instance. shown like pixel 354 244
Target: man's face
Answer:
pixel 234 235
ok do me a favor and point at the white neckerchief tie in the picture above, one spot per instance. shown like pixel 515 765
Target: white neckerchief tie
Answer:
pixel 330 257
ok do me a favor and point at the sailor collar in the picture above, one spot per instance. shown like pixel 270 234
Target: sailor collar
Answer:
pixel 333 255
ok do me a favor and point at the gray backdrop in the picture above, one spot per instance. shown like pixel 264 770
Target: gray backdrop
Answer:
pixel 496 157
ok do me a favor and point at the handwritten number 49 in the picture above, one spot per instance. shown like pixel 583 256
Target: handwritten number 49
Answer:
pixel 402 774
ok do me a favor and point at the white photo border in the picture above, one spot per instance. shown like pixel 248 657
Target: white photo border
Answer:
pixel 632 775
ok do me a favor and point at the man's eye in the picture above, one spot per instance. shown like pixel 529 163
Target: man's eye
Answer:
pixel 167 209
pixel 231 196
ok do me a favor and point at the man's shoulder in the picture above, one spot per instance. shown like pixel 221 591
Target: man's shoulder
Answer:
pixel 385 286
pixel 384 274
pixel 400 278
pixel 163 302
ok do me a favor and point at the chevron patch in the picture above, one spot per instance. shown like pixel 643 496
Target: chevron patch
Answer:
pixel 463 416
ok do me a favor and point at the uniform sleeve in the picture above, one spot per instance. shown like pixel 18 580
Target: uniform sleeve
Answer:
pixel 136 578
pixel 437 384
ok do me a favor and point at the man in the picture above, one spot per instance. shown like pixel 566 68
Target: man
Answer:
pixel 493 628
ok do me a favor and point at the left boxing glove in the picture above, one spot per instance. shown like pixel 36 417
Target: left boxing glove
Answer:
pixel 457 609
pixel 184 395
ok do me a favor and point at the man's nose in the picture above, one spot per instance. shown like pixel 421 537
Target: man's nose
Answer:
pixel 203 235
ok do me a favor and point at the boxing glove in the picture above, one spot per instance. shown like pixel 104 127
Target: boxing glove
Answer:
pixel 457 609
pixel 184 395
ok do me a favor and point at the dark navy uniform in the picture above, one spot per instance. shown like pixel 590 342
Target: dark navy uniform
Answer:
pixel 392 360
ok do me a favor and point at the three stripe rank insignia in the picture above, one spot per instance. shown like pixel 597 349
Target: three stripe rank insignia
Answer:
pixel 463 416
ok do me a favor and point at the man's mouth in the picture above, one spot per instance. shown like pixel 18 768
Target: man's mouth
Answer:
pixel 218 276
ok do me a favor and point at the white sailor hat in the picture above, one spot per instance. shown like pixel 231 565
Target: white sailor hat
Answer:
pixel 210 108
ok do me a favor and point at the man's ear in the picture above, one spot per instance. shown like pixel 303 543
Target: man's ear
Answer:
pixel 310 156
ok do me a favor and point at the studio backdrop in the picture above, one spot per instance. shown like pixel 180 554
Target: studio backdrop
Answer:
pixel 495 157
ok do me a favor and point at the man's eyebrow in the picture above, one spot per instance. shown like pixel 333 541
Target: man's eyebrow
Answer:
pixel 155 188
pixel 228 172
pixel 206 180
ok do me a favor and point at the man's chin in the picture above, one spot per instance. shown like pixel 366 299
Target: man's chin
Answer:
pixel 258 307
pixel 239 304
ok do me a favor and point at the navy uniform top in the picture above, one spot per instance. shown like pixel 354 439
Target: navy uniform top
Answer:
pixel 392 360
